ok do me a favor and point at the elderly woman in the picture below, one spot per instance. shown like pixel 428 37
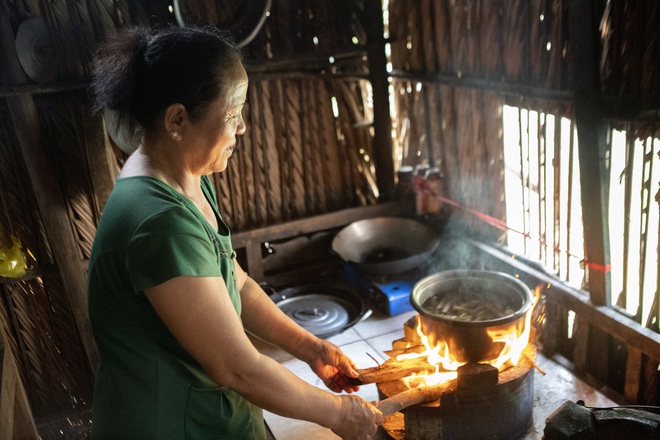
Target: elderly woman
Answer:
pixel 168 303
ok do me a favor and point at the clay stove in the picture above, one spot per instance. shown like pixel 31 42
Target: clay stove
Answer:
pixel 481 403
pixel 463 371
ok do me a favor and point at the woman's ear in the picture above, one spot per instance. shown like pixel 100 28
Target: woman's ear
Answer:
pixel 175 118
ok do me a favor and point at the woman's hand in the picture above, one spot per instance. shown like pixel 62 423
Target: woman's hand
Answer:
pixel 333 367
pixel 358 419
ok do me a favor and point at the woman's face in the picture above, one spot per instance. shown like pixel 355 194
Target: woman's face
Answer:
pixel 214 136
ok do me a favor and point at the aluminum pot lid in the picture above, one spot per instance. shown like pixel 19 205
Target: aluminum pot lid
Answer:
pixel 35 51
pixel 323 310
pixel 319 314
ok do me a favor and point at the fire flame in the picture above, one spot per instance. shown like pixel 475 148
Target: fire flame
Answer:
pixel 514 340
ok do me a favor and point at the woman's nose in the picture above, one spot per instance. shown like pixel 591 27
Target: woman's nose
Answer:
pixel 241 127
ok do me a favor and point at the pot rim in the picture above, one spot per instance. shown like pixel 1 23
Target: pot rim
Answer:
pixel 445 277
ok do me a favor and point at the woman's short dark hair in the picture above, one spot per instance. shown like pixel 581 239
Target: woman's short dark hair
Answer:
pixel 138 73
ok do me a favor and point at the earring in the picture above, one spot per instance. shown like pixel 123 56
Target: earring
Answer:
pixel 175 135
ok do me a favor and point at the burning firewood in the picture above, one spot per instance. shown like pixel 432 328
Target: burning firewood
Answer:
pixel 391 370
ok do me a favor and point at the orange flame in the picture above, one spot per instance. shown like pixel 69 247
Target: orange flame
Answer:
pixel 513 338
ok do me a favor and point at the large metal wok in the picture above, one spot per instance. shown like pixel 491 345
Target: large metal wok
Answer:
pixel 385 245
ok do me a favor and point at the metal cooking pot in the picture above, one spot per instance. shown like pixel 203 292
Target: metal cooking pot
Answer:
pixel 385 245
pixel 461 307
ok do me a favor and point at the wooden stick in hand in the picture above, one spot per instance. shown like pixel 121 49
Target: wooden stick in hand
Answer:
pixel 414 396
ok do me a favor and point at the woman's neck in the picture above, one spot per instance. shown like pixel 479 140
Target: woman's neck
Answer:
pixel 151 162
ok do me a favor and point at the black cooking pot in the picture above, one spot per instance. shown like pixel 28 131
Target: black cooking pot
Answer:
pixel 324 310
pixel 461 307
pixel 385 245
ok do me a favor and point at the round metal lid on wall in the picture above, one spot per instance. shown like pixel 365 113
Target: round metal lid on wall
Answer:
pixel 35 51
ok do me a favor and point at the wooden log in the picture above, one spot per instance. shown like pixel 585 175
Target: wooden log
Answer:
pixel 414 396
pixel 391 370
pixel 404 347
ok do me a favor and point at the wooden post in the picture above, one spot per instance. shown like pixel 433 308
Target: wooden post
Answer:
pixel 592 135
pixel 16 421
pixel 46 187
pixel 382 142
pixel 102 163
pixel 633 375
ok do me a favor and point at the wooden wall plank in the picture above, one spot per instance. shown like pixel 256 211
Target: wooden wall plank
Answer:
pixel 551 331
pixel 580 338
pixel 633 375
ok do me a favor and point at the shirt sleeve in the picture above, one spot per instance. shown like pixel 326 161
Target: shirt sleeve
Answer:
pixel 170 244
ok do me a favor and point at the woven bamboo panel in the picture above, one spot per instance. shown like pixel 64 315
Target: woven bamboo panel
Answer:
pixel 63 127
pixel 631 49
pixel 297 159
pixel 516 41
pixel 17 215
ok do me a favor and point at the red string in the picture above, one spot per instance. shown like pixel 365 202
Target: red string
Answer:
pixel 596 266
pixel 419 186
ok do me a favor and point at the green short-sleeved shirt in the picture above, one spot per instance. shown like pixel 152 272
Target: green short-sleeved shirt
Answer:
pixel 148 387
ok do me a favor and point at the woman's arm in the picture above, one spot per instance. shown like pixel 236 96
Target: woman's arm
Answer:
pixel 198 311
pixel 262 318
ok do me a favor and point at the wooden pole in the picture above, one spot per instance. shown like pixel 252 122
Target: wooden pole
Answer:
pixel 592 135
pixel 382 142
pixel 16 420
pixel 592 152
